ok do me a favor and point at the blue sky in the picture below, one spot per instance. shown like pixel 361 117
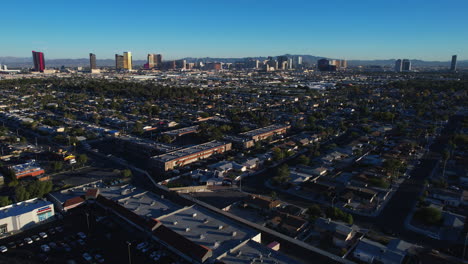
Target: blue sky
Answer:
pixel 350 29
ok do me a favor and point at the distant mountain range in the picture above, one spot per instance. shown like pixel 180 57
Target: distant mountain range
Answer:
pixel 17 62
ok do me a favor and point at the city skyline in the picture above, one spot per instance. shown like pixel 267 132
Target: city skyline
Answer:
pixel 208 29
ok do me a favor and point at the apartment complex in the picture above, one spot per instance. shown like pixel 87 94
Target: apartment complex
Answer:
pixel 265 132
pixel 182 157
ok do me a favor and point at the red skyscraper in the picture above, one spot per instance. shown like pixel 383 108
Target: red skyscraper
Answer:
pixel 39 64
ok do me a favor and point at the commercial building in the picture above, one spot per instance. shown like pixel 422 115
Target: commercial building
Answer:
pixel 265 132
pixel 453 65
pixel 119 62
pixel 24 214
pixel 181 131
pixel 209 230
pixel 325 65
pixel 282 62
pixel 92 61
pixel 150 61
pixel 181 64
pixel 39 62
pixel 253 252
pixel 127 60
pixel 398 65
pixel 154 60
pixel 406 65
pixel 213 66
pixel 28 169
pixel 189 155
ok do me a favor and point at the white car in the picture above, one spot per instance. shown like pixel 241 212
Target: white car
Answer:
pixel 3 249
pixel 43 235
pixel 45 248
pixel 28 240
pixel 141 245
pixel 87 257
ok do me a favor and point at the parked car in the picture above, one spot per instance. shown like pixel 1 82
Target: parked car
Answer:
pixel 43 235
pixel 99 258
pixel 12 244
pixel 87 257
pixel 36 238
pixel 52 231
pixel 19 243
pixel 45 248
pixel 81 235
pixel 53 245
pixel 59 229
pixel 142 245
pixel 3 249
pixel 81 242
pixel 28 240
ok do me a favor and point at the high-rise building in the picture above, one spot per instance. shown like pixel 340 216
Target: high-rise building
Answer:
pixel 92 61
pixel 180 64
pixel 325 65
pixel 150 61
pixel 398 65
pixel 127 60
pixel 344 64
pixel 290 63
pixel 39 62
pixel 453 66
pixel 282 62
pixel 158 60
pixel 406 65
pixel 119 62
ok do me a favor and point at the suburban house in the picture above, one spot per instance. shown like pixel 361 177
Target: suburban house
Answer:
pixel 369 251
pixel 342 233
pixel 261 203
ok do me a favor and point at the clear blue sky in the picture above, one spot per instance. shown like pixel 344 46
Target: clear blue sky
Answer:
pixel 351 29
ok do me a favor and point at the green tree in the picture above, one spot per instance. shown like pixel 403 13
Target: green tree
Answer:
pixel 303 160
pixel 166 139
pixel 429 215
pixel 314 212
pixel 126 173
pixel 278 154
pixel 282 174
pixel 57 165
pixel 21 193
pixel 82 159
pixel 4 201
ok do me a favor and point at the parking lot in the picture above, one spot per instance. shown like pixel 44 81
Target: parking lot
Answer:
pixel 85 235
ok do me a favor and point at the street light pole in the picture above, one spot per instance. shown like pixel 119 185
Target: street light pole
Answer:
pixel 129 255
pixel 87 220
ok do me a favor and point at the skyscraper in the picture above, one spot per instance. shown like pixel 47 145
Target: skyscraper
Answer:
pixel 127 60
pixel 39 63
pixel 92 61
pixel 150 61
pixel 282 62
pixel 119 62
pixel 406 65
pixel 398 65
pixel 453 66
pixel 158 60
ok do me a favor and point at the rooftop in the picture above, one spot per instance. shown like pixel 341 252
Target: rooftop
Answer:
pixel 22 207
pixel 263 130
pixel 207 229
pixel 253 252
pixel 189 151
